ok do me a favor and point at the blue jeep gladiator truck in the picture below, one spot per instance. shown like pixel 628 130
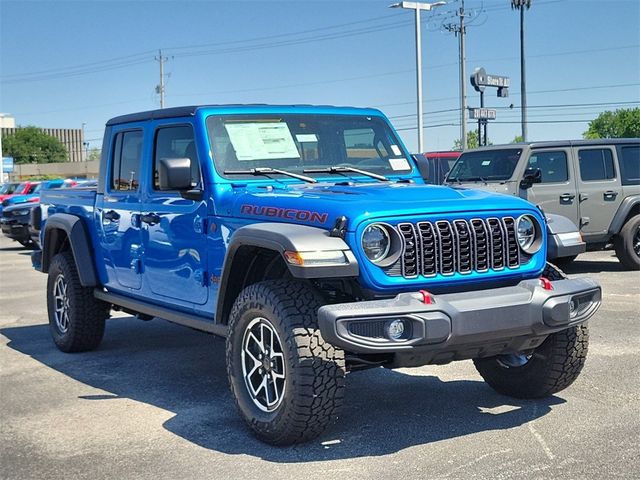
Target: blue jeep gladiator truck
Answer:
pixel 306 237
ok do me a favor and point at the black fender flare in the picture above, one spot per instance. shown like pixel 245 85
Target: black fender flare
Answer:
pixel 281 237
pixel 629 203
pixel 79 241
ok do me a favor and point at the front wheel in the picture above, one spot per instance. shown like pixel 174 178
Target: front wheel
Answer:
pixel 76 317
pixel 287 382
pixel 548 369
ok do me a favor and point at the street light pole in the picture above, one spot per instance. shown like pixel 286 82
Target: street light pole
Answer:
pixel 417 6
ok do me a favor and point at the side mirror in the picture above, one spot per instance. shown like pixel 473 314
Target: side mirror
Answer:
pixel 174 173
pixel 531 176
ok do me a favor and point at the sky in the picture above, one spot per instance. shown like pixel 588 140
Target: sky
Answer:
pixel 64 64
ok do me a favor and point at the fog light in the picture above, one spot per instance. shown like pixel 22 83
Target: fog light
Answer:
pixel 395 329
pixel 573 307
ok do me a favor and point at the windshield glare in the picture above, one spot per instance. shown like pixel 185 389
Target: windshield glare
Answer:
pixel 298 142
pixel 487 165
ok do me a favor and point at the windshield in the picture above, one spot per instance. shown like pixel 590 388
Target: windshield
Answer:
pixel 8 188
pixel 296 143
pixel 487 165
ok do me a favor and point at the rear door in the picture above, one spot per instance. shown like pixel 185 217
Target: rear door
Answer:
pixel 119 210
pixel 175 232
pixel 557 191
pixel 599 188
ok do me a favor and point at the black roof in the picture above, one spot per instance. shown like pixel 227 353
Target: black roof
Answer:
pixel 188 111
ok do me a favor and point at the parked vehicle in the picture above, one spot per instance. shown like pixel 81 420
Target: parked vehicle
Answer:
pixel 15 223
pixel 7 189
pixel 24 188
pixel 565 241
pixel 594 183
pixel 434 166
pixel 306 236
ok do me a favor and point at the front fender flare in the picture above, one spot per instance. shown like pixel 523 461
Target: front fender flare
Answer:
pixel 80 243
pixel 281 237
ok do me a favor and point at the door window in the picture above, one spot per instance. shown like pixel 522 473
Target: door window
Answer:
pixel 553 166
pixel 630 164
pixel 596 164
pixel 176 142
pixel 126 159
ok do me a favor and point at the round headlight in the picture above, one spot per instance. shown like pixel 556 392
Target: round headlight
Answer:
pixel 376 242
pixel 528 233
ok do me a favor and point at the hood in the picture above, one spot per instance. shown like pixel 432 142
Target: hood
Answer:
pixel 506 187
pixel 16 199
pixel 322 204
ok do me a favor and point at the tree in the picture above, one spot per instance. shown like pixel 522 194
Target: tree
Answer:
pixel 472 141
pixel 94 154
pixel 623 123
pixel 517 139
pixel 32 145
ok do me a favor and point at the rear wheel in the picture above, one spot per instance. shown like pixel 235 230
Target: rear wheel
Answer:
pixel 627 244
pixel 76 317
pixel 288 383
pixel 548 369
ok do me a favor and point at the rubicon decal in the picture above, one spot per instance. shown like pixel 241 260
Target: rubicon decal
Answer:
pixel 288 213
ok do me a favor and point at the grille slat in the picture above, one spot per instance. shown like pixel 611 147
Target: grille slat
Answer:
pixel 458 246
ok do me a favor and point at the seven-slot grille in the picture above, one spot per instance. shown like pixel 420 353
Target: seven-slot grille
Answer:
pixel 463 246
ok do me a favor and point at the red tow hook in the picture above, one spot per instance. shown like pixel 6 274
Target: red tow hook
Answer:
pixel 546 283
pixel 427 299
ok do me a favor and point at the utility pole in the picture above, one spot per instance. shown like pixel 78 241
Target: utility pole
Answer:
pixel 523 81
pixel 460 31
pixel 160 86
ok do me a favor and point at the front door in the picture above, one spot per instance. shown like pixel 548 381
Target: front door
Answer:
pixel 175 233
pixel 556 193
pixel 600 191
pixel 118 211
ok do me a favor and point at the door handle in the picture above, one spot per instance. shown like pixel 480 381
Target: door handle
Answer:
pixel 567 197
pixel 150 218
pixel 610 195
pixel 111 215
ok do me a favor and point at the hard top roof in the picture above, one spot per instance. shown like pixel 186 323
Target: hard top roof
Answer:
pixel 563 143
pixel 191 110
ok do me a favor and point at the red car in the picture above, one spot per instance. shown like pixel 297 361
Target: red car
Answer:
pixel 434 166
pixel 9 189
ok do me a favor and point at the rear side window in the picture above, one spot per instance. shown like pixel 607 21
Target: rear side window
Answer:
pixel 596 164
pixel 553 166
pixel 629 158
pixel 176 142
pixel 126 160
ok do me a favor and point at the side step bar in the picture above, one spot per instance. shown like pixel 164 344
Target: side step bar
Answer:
pixel 181 318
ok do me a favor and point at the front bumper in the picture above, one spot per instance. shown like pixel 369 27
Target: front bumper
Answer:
pixel 565 245
pixel 14 229
pixel 461 325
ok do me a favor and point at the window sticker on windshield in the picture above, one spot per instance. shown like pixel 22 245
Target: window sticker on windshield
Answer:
pixel 399 163
pixel 396 151
pixel 486 162
pixel 261 141
pixel 306 137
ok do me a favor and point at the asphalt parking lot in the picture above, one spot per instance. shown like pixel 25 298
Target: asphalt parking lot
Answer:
pixel 153 402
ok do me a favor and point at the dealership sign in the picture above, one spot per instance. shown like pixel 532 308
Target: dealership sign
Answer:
pixel 7 164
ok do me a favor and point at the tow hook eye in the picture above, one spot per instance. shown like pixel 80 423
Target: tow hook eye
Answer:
pixel 427 298
pixel 545 283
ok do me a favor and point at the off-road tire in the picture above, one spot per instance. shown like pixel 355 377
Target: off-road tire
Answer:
pixel 553 366
pixel 86 314
pixel 553 273
pixel 564 262
pixel 623 244
pixel 314 369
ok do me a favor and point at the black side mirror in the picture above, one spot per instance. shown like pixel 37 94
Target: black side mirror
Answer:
pixel 174 173
pixel 531 176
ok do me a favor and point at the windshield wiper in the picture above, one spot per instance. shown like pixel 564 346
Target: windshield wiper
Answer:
pixel 267 171
pixel 345 169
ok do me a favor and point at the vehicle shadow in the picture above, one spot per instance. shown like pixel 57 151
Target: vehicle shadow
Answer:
pixel 580 265
pixel 182 371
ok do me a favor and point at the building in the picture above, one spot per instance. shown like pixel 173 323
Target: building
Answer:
pixel 71 138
